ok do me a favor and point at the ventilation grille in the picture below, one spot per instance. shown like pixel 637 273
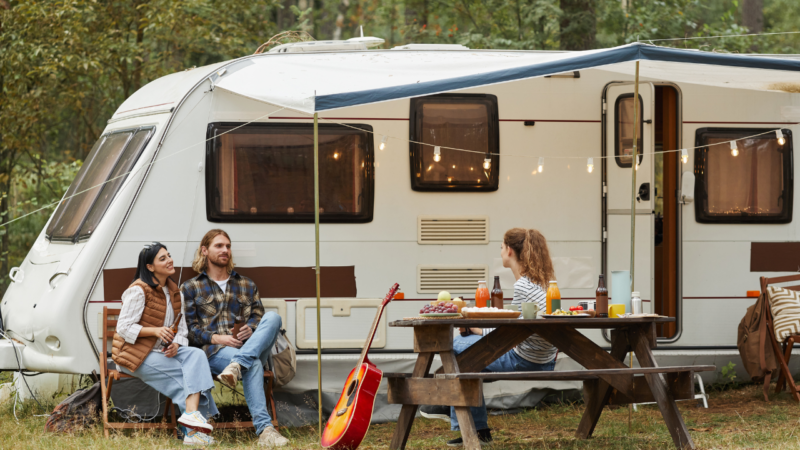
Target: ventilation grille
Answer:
pixel 452 278
pixel 453 230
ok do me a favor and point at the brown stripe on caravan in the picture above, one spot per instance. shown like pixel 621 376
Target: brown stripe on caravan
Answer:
pixel 272 282
pixel 775 257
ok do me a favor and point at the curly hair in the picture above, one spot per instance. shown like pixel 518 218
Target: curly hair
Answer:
pixel 530 248
pixel 200 262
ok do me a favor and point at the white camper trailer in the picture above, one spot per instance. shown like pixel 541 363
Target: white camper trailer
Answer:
pixel 230 146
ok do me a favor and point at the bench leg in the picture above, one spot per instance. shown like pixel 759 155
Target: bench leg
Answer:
pixel 407 412
pixel 599 391
pixel 666 402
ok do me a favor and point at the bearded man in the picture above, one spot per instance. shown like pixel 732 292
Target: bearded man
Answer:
pixel 214 301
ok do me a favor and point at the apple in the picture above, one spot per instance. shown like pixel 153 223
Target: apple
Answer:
pixel 444 296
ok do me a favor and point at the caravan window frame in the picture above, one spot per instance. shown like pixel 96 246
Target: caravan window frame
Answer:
pixel 416 150
pixel 366 173
pixel 640 148
pixel 700 161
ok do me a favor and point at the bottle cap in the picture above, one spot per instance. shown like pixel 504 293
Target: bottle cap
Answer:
pixel 482 281
pixel 634 294
pixel 553 281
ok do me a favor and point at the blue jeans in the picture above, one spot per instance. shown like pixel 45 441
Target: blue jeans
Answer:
pixel 510 362
pixel 253 356
pixel 179 377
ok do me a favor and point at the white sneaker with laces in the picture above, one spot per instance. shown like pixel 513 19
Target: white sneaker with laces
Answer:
pixel 198 438
pixel 270 438
pixel 231 375
pixel 195 421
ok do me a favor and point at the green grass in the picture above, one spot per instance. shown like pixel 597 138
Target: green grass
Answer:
pixel 736 418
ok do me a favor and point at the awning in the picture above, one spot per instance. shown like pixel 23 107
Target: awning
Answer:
pixel 313 82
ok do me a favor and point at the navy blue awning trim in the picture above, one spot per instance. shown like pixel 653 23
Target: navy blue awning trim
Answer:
pixel 626 53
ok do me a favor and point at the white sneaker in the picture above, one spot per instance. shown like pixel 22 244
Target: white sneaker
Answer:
pixel 231 375
pixel 195 421
pixel 270 438
pixel 198 438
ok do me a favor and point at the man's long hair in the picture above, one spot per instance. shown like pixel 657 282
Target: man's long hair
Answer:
pixel 200 263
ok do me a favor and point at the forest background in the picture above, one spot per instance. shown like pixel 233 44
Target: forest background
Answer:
pixel 66 65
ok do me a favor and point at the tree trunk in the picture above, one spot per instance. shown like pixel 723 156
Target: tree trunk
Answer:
pixel 578 24
pixel 753 18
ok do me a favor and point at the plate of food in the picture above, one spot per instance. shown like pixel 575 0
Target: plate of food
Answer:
pixel 558 314
pixel 440 314
pixel 489 313
pixel 441 309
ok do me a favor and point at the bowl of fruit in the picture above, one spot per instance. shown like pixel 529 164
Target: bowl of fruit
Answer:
pixel 441 309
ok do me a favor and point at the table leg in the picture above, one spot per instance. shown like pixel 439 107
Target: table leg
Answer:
pixel 407 412
pixel 597 397
pixel 663 396
pixel 463 414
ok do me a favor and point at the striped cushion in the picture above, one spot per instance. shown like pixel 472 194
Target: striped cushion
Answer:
pixel 785 305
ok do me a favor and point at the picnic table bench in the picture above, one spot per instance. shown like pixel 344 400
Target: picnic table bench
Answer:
pixel 607 381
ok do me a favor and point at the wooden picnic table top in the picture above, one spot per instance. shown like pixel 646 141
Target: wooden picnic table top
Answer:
pixel 584 322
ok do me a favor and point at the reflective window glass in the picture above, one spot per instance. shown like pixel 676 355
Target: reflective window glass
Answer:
pixel 623 130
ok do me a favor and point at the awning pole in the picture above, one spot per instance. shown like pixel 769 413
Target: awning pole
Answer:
pixel 316 248
pixel 634 164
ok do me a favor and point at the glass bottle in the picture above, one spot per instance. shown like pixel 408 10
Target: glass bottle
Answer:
pixel 553 297
pixel 481 295
pixel 497 294
pixel 601 297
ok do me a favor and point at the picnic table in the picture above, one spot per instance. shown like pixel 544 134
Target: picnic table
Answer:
pixel 607 381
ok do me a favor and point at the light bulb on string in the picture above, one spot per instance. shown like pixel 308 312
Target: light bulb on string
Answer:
pixel 541 164
pixel 779 135
pixel 437 153
pixel 383 142
pixel 590 165
pixel 487 162
pixel 684 155
pixel 734 149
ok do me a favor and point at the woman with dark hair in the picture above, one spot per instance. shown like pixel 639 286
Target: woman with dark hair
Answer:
pixel 145 347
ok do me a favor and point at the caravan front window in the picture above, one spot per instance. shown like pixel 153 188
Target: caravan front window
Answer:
pixel 89 195
pixel 751 185
pixel 265 173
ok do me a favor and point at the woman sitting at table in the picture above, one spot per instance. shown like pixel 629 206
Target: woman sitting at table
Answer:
pixel 146 348
pixel 525 252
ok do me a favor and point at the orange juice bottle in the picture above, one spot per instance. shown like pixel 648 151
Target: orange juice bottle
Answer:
pixel 553 297
pixel 481 295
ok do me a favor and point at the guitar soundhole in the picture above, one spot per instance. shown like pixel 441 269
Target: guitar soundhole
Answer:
pixel 352 387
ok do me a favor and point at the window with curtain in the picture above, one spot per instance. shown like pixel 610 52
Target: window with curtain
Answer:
pixel 461 121
pixel 265 173
pixel 753 186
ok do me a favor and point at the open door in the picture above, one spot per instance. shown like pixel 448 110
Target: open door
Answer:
pixel 617 186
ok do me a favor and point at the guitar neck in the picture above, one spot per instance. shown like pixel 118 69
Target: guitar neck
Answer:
pixel 375 323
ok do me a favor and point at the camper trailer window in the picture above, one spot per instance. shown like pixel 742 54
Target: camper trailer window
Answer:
pixel 84 190
pixel 754 186
pixel 463 121
pixel 623 130
pixel 265 173
pixel 117 177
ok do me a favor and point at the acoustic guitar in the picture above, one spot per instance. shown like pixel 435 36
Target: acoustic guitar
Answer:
pixel 352 415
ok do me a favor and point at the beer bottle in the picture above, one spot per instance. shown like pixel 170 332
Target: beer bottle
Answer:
pixel 601 295
pixel 497 294
pixel 174 327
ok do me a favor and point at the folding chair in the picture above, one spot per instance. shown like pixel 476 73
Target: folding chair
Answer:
pixel 107 377
pixel 781 355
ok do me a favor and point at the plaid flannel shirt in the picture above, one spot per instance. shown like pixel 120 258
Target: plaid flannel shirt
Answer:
pixel 210 311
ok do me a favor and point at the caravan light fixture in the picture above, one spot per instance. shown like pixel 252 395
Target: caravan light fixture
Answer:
pixel 734 149
pixel 541 163
pixel 383 142
pixel 590 165
pixel 684 155
pixel 779 135
pixel 487 162
pixel 437 153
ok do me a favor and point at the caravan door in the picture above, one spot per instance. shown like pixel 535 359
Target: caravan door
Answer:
pixel 619 144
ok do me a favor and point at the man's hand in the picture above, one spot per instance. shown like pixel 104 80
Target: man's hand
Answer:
pixel 245 332
pixel 229 341
pixel 172 350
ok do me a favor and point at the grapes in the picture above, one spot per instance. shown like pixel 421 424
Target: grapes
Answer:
pixel 441 307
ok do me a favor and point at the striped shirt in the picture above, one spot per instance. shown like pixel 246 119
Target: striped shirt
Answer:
pixel 534 349
pixel 132 308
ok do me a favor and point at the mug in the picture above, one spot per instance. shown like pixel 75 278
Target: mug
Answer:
pixel 615 310
pixel 530 310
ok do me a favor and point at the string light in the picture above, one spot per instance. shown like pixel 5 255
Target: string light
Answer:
pixel 437 153
pixel 779 135
pixel 335 156
pixel 487 162
pixel 383 142
pixel 590 165
pixel 541 164
pixel 734 149
pixel 684 155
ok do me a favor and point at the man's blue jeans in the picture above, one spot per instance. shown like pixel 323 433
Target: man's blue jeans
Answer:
pixel 510 362
pixel 253 357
